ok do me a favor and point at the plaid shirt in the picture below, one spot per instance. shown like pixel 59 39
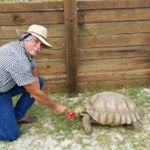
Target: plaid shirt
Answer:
pixel 15 66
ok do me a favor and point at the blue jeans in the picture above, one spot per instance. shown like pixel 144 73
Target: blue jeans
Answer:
pixel 9 114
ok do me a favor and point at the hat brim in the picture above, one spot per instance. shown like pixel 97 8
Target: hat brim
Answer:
pixel 41 39
pixel 21 32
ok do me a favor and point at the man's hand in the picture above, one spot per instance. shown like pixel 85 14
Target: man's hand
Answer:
pixel 61 108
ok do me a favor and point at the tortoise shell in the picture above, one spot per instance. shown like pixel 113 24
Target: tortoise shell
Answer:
pixel 111 108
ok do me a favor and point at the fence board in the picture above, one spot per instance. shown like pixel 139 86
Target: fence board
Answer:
pixel 114 84
pixel 54 87
pixel 52 55
pixel 114 52
pixel 7 32
pixel 31 18
pixel 91 16
pixel 112 76
pixel 58 43
pixel 51 68
pixel 110 28
pixel 32 7
pixel 116 40
pixel 108 65
pixel 105 4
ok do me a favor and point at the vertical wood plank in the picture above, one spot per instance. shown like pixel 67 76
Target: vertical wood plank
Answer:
pixel 70 21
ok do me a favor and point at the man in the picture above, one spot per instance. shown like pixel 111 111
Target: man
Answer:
pixel 19 74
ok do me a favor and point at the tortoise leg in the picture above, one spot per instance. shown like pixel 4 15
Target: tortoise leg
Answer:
pixel 87 123
pixel 137 127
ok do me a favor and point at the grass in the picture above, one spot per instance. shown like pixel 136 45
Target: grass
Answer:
pixel 55 131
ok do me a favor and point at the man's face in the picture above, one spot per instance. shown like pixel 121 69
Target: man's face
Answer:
pixel 33 46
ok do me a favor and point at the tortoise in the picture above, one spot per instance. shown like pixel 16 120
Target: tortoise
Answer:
pixel 109 108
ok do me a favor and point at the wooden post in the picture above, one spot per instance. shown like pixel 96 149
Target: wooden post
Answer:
pixel 70 21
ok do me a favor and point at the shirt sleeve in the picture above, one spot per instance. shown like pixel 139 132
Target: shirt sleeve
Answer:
pixel 21 73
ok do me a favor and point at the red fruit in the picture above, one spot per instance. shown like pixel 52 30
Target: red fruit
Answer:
pixel 71 115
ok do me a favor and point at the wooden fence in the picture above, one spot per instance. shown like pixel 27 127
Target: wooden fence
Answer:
pixel 99 43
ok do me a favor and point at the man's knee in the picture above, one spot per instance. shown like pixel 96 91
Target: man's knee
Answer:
pixel 9 135
pixel 14 136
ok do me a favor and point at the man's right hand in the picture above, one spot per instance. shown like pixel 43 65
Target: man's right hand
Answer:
pixel 61 108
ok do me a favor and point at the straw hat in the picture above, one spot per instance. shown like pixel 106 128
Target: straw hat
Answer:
pixel 38 31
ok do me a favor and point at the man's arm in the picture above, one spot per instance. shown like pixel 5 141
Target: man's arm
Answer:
pixel 42 98
pixel 35 73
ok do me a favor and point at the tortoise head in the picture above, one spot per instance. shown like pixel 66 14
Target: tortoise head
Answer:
pixel 79 110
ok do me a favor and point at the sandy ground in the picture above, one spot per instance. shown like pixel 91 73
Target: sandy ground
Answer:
pixel 118 141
